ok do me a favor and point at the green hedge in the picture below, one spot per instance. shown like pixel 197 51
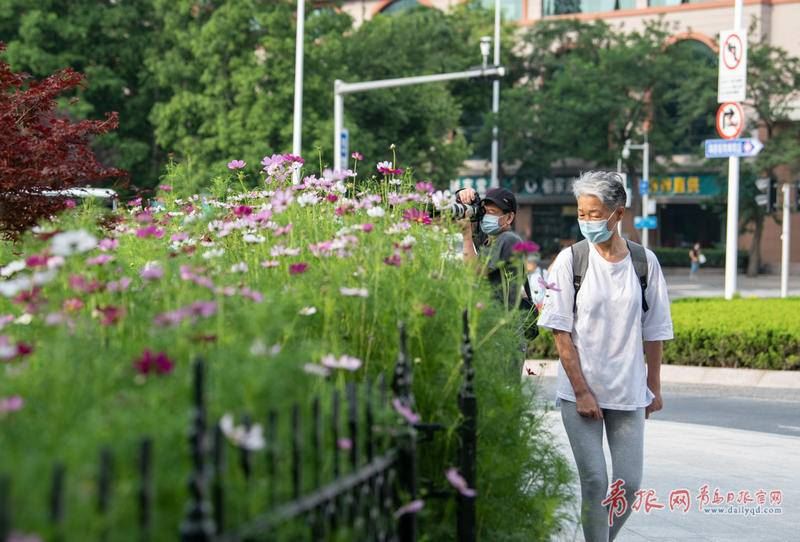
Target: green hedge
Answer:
pixel 752 333
pixel 679 257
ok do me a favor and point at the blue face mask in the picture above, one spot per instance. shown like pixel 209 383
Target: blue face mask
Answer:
pixel 490 224
pixel 596 231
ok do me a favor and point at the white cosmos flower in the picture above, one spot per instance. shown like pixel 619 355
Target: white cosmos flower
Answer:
pixel 376 212
pixel 240 267
pixel 408 241
pixel 251 438
pixel 354 292
pixel 213 253
pixel 307 198
pixel 12 268
pixel 72 242
pixel 10 288
pixel 307 311
pixel 252 238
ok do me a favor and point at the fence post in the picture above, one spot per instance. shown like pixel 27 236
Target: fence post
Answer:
pixel 198 525
pixel 467 404
pixel 145 490
pixel 5 507
pixel 407 443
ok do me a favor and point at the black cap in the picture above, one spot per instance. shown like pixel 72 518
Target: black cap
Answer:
pixel 503 198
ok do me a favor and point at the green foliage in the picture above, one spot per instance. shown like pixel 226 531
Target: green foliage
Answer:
pixel 106 41
pixel 749 333
pixel 583 88
pixel 81 391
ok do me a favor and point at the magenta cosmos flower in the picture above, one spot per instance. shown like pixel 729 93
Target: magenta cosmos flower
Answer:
pixel 415 215
pixel 236 164
pixel 527 247
pixel 151 363
pixel 298 268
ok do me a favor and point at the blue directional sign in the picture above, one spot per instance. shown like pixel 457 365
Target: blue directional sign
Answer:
pixel 726 148
pixel 645 222
pixel 345 152
pixel 644 187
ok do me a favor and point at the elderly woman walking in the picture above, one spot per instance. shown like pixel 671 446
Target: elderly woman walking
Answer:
pixel 609 312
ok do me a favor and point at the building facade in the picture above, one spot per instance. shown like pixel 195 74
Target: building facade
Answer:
pixel 683 198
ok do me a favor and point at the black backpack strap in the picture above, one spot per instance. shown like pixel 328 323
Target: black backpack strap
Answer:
pixel 580 263
pixel 639 258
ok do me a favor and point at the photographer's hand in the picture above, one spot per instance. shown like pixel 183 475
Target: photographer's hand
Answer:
pixel 466 195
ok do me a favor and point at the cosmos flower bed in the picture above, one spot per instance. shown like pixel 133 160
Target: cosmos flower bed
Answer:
pixel 283 289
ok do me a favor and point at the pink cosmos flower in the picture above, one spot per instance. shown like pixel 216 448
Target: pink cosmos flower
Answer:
pixel 242 210
pixel 108 244
pixel 10 351
pixel 411 508
pixel 458 482
pixel 387 168
pixel 69 203
pixel 80 284
pixel 145 217
pixel 236 164
pixel 548 285
pixel 409 415
pixel 36 260
pixel 526 247
pixel 149 363
pixel 366 228
pixel 270 263
pixel 253 295
pixel 415 215
pixel 165 187
pixel 357 156
pixel 110 315
pixel 344 444
pixel 101 259
pixel 298 268
pixel 425 187
pixel 333 198
pixel 135 202
pixel 428 311
pixel 393 260
pixel 118 285
pixel 150 231
pixel 294 158
pixel 72 304
pixel 179 237
pixel 152 272
pixel 11 404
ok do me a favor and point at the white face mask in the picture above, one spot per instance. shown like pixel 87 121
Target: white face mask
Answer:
pixel 596 231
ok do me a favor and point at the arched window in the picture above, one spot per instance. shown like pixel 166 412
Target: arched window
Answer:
pixel 400 5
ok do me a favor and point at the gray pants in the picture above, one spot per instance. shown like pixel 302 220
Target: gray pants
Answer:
pixel 625 433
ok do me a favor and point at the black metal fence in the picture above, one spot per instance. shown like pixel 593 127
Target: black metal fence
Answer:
pixel 356 483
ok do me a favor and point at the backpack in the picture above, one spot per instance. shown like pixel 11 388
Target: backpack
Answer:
pixel 580 263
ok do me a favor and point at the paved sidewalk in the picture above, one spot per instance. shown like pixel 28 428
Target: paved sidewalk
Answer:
pixel 681 455
pixel 711 283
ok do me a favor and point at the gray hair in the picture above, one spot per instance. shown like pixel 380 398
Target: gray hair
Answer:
pixel 607 186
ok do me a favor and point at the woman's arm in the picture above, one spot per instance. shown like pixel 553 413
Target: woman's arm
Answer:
pixel 469 245
pixel 653 351
pixel 585 400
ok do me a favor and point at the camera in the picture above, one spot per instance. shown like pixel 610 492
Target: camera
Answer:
pixel 474 211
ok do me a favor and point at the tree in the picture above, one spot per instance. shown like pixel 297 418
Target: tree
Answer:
pixel 40 150
pixel 773 80
pixel 584 88
pixel 107 42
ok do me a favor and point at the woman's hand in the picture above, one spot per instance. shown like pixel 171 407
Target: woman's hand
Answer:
pixel 587 406
pixel 656 405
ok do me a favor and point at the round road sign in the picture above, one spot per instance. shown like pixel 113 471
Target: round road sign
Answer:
pixel 730 120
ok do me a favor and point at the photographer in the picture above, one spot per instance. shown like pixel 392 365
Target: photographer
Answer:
pixel 495 240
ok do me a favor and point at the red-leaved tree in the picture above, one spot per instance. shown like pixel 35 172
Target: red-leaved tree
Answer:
pixel 40 150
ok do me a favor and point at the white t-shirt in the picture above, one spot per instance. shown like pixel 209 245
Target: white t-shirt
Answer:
pixel 609 326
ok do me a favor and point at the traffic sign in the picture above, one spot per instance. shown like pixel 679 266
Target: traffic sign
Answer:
pixel 730 120
pixel 345 146
pixel 732 81
pixel 726 148
pixel 645 222
pixel 644 187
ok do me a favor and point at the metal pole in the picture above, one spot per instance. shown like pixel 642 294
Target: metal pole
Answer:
pixel 338 122
pixel 297 133
pixel 732 233
pixel 785 238
pixel 495 181
pixel 646 197
pixel 619 170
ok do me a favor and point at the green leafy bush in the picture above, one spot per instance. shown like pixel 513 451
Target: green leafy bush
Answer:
pixel 752 333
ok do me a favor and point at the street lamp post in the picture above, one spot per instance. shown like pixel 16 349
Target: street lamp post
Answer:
pixel 495 181
pixel 297 132
pixel 626 153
